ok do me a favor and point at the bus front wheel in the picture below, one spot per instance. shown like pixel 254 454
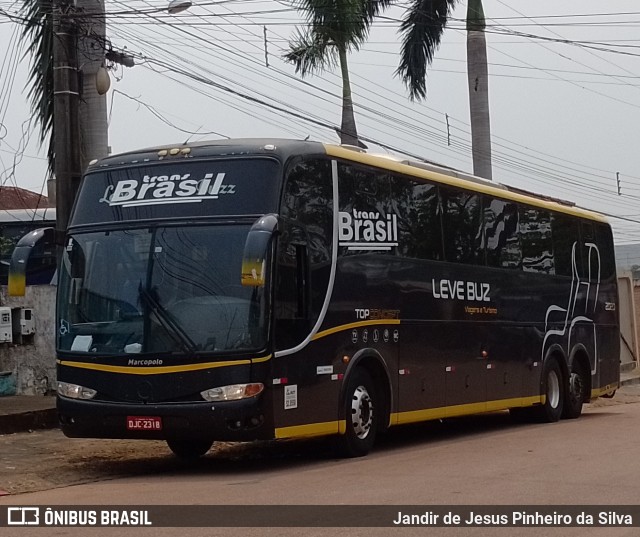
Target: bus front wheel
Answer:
pixel 189 449
pixel 361 415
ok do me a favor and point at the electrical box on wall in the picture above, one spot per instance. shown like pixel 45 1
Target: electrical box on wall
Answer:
pixel 23 326
pixel 6 332
pixel 27 325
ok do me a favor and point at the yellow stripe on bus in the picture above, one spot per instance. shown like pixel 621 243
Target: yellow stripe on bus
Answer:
pixel 312 429
pixel 609 388
pixel 399 418
pixel 413 416
pixel 349 326
pixel 162 370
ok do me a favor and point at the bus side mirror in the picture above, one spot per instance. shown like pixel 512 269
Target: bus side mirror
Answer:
pixel 256 248
pixel 18 267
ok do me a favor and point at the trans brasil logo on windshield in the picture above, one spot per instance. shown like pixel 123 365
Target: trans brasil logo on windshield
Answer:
pixel 161 189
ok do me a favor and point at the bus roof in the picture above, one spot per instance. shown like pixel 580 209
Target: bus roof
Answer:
pixel 457 178
pixel 287 147
pixel 45 214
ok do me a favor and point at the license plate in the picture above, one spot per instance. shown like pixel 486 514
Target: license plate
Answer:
pixel 144 423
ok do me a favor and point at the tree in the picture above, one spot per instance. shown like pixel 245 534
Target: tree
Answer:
pixel 478 78
pixel 423 27
pixel 93 106
pixel 37 33
pixel 336 27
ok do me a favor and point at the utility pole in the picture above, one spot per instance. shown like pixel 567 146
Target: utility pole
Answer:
pixel 478 80
pixel 79 112
pixel 92 45
pixel 66 98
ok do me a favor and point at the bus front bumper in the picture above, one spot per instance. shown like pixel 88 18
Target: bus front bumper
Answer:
pixel 229 420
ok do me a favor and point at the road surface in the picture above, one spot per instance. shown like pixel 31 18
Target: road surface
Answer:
pixel 485 460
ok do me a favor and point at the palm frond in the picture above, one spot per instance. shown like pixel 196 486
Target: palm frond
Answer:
pixel 422 28
pixel 311 52
pixel 373 8
pixel 37 34
pixel 346 22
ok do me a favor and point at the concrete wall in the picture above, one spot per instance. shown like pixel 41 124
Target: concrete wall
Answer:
pixel 636 300
pixel 628 322
pixel 33 363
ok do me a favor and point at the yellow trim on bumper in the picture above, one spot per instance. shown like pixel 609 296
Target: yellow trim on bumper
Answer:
pixel 158 370
pixel 312 429
pixel 609 388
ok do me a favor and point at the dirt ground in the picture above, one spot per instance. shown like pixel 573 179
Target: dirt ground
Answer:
pixel 45 459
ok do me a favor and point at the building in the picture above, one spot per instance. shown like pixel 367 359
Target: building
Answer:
pixel 27 358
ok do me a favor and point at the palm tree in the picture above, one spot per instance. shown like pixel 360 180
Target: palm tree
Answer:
pixel 422 28
pixel 478 78
pixel 37 33
pixel 41 22
pixel 335 28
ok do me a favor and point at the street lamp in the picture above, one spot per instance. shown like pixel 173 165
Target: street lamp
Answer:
pixel 178 6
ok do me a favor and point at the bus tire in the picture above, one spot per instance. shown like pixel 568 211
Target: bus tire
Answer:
pixel 362 411
pixel 576 391
pixel 189 448
pixel 552 388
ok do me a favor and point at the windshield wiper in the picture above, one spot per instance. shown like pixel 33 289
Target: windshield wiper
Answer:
pixel 169 324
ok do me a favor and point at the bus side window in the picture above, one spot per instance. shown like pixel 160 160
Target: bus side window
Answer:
pixel 589 251
pixel 419 225
pixel 365 192
pixel 565 234
pixel 304 249
pixel 462 224
pixel 535 237
pixel 501 238
pixel 604 242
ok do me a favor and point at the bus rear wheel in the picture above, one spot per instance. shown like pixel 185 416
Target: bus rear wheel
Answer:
pixel 361 414
pixel 189 449
pixel 576 392
pixel 552 389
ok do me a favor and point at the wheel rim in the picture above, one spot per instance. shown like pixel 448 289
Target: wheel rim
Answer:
pixel 553 389
pixel 576 387
pixel 361 412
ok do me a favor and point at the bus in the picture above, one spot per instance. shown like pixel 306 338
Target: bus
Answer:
pixel 15 224
pixel 263 289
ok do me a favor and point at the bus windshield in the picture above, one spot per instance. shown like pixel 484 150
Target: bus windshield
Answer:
pixel 159 290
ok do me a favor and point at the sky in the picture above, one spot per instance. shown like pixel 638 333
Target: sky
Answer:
pixel 564 92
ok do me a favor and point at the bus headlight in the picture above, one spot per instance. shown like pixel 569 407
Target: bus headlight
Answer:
pixel 233 392
pixel 73 391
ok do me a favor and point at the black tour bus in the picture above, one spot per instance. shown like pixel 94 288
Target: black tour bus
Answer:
pixel 260 289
